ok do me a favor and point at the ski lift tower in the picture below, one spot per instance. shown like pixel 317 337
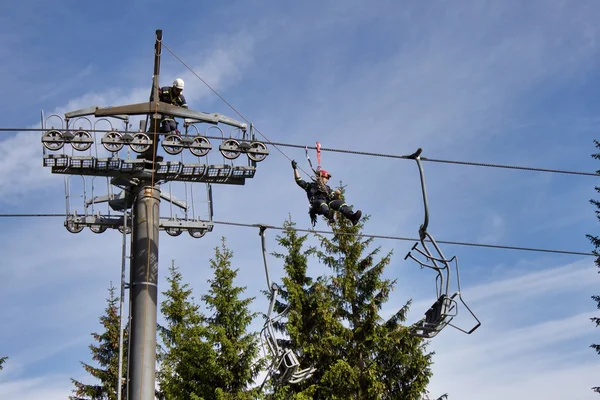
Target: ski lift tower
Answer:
pixel 138 204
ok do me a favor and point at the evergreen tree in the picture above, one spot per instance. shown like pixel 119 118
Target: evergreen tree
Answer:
pixel 227 331
pixel 596 243
pixel 186 359
pixel 335 323
pixel 106 355
pixel 2 361
pixel 312 326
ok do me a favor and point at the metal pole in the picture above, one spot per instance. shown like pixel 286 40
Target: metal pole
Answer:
pixel 153 128
pixel 143 291
pixel 157 52
pixel 121 305
pixel 130 307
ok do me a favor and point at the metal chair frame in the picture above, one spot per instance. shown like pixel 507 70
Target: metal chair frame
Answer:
pixel 445 308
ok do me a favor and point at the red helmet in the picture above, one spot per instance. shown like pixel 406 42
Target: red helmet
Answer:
pixel 324 173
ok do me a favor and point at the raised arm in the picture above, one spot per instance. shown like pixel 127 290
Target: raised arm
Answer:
pixel 303 184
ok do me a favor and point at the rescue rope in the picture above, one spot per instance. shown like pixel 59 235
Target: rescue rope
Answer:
pixel 230 106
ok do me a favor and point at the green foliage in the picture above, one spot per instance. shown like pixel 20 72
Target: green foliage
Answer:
pixel 334 322
pixel 227 331
pixel 106 355
pixel 2 361
pixel 185 358
pixel 208 358
pixel 596 243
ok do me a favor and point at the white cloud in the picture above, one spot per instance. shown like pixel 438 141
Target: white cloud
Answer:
pixel 574 382
pixel 571 277
pixel 47 387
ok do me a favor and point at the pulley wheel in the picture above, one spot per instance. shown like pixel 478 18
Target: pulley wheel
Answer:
pixel 112 141
pixel 230 149
pixel 197 233
pixel 200 146
pixel 140 143
pixel 82 140
pixel 53 140
pixel 261 151
pixel 172 144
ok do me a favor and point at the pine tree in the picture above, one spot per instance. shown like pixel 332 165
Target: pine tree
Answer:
pixel 358 355
pixel 596 243
pixel 2 361
pixel 227 331
pixel 185 358
pixel 106 355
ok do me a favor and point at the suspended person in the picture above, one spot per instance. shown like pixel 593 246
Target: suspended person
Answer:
pixel 323 200
pixel 171 95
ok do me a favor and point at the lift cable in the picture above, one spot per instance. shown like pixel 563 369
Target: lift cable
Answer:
pixel 371 154
pixel 366 235
pixel 478 164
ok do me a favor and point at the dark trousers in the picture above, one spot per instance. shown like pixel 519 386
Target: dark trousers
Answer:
pixel 322 207
pixel 166 126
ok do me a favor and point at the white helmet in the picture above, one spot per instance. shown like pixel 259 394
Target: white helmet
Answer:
pixel 178 83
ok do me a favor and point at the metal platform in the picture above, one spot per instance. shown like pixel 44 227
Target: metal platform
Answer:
pixel 139 168
pixel 100 223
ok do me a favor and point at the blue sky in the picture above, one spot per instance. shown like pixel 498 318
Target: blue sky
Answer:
pixel 500 82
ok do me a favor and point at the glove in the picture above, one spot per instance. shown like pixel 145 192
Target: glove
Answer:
pixel 294 164
pixel 313 219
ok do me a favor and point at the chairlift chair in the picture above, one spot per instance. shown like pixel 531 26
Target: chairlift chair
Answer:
pixel 285 367
pixel 445 308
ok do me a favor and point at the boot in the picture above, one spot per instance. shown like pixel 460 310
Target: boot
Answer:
pixel 331 217
pixel 355 217
pixel 352 216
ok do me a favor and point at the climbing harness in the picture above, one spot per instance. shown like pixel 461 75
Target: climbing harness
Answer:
pixel 285 367
pixel 445 308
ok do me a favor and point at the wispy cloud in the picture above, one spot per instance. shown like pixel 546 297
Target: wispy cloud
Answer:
pixel 48 387
pixel 460 80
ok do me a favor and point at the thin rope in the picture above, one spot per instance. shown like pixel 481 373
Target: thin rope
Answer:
pixel 399 238
pixel 229 104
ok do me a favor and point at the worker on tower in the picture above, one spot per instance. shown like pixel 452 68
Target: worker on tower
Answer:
pixel 171 95
pixel 323 200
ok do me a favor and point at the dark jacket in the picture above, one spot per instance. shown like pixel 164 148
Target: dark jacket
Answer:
pixel 315 191
pixel 165 94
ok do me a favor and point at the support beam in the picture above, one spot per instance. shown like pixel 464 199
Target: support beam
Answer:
pixel 143 292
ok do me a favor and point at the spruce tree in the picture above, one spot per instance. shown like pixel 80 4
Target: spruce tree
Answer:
pixel 357 353
pixel 596 243
pixel 106 354
pixel 227 331
pixel 312 329
pixel 186 359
